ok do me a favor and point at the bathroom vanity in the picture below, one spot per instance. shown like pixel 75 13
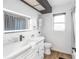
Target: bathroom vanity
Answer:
pixel 32 49
pixel 34 52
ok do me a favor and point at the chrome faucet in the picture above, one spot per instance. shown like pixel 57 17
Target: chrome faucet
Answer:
pixel 21 36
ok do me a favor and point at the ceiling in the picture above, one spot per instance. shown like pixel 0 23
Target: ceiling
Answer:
pixel 46 6
pixel 60 2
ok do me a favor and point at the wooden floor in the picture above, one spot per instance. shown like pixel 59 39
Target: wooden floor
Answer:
pixel 58 55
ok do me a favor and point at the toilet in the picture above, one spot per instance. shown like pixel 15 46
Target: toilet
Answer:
pixel 47 48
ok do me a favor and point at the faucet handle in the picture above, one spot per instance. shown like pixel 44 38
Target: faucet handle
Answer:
pixel 21 36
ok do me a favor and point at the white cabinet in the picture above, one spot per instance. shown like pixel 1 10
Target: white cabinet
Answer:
pixel 24 54
pixel 41 50
pixel 33 55
pixel 36 53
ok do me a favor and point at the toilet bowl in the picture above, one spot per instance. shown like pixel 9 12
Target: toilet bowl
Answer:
pixel 47 48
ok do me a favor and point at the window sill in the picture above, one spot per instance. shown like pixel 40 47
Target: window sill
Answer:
pixel 15 31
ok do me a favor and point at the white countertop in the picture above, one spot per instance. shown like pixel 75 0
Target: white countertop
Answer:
pixel 14 49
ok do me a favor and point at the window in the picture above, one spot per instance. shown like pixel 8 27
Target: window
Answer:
pixel 15 22
pixel 59 22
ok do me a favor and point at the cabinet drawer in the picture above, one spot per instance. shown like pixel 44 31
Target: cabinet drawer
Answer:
pixel 23 54
pixel 32 55
pixel 41 44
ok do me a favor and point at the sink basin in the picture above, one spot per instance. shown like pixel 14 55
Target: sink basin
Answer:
pixel 15 48
pixel 11 48
pixel 31 41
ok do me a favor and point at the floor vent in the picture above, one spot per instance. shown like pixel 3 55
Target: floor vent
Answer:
pixel 61 58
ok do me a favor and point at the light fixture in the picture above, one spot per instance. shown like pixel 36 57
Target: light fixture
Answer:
pixel 39 5
pixel 32 2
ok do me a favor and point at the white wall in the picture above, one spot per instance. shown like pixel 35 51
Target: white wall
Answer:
pixel 61 41
pixel 20 7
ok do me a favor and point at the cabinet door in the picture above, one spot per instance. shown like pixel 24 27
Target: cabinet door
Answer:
pixel 24 54
pixel 41 50
pixel 20 57
pixel 41 54
pixel 33 55
pixel 37 54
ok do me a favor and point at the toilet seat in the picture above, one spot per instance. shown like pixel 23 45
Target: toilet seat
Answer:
pixel 48 45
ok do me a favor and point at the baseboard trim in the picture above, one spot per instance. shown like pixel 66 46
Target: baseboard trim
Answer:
pixel 62 52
